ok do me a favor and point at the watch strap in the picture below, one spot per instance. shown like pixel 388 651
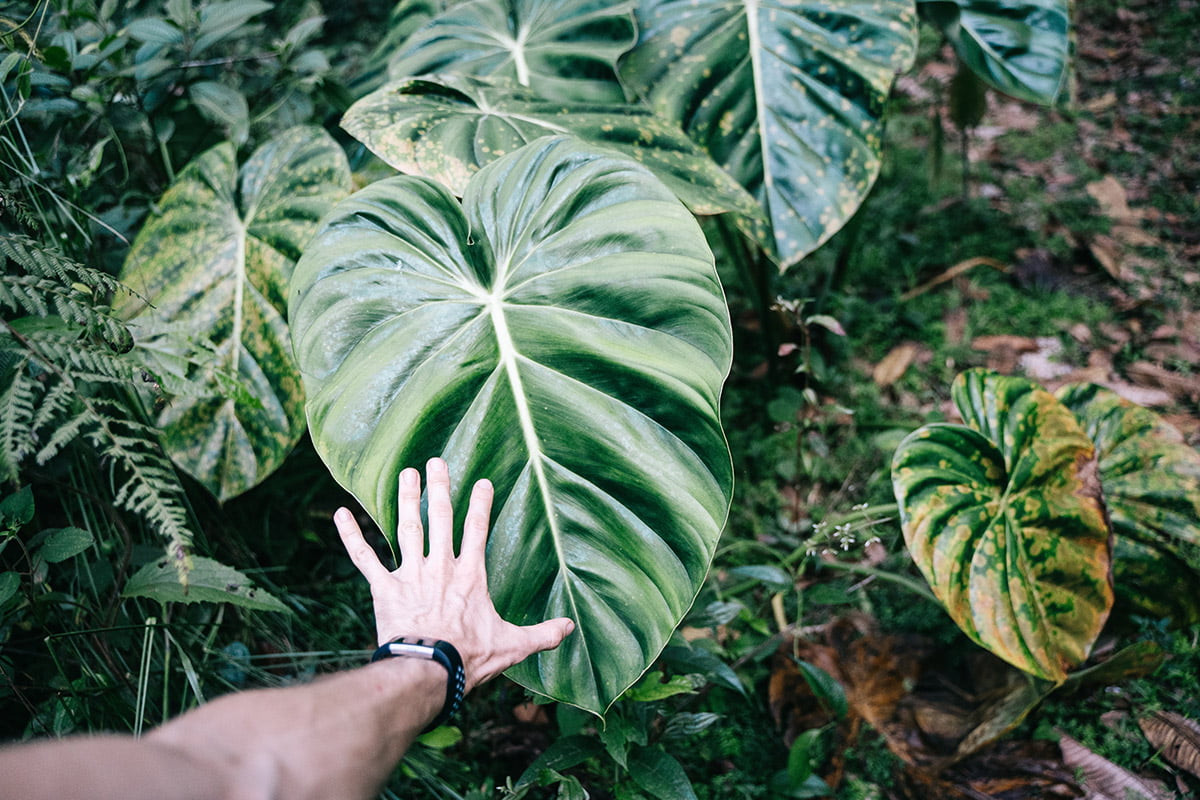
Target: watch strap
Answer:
pixel 443 653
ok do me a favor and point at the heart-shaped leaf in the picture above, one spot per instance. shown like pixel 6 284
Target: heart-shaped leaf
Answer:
pixel 447 127
pixel 1005 520
pixel 565 49
pixel 215 262
pixel 1150 475
pixel 562 332
pixel 1021 47
pixel 788 99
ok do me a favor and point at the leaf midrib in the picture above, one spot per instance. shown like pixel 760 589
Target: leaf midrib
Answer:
pixel 508 361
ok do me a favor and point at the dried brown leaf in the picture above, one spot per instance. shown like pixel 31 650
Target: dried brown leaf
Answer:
pixel 1175 736
pixel 1143 373
pixel 1107 780
pixel 1110 195
pixel 892 367
pixel 1108 254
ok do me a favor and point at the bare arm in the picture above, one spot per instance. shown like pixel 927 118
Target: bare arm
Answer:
pixel 340 736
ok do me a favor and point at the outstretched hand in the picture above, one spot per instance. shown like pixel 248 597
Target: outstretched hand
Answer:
pixel 441 595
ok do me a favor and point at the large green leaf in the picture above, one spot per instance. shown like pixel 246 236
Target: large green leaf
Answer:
pixel 1021 47
pixel 447 127
pixel 788 98
pixel 214 264
pixel 562 332
pixel 1005 520
pixel 564 49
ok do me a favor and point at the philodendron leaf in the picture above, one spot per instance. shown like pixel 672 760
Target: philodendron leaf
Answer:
pixel 216 261
pixel 1005 520
pixel 446 127
pixel 1150 475
pixel 564 49
pixel 1021 47
pixel 788 98
pixel 562 332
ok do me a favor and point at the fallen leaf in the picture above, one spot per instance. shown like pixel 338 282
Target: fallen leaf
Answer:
pixel 1175 736
pixel 1144 373
pixel 892 367
pixel 1101 103
pixel 1112 199
pixel 1108 254
pixel 1004 350
pixel 1105 779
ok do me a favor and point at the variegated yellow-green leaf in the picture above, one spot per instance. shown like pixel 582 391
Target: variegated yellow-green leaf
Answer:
pixel 214 265
pixel 1021 47
pixel 1151 477
pixel 564 49
pixel 446 127
pixel 561 332
pixel 787 97
pixel 1151 480
pixel 1004 517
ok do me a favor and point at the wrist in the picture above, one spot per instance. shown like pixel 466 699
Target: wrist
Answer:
pixel 435 652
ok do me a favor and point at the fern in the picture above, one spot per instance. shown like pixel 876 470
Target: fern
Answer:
pixel 67 368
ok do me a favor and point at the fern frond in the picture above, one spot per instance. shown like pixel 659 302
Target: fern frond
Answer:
pixel 41 296
pixel 52 280
pixel 83 360
pixel 45 262
pixel 18 400
pixel 150 486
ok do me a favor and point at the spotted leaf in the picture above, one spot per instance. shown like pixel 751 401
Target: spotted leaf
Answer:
pixel 788 98
pixel 561 332
pixel 213 265
pixel 1004 518
pixel 447 127
pixel 1020 47
pixel 565 49
pixel 1151 480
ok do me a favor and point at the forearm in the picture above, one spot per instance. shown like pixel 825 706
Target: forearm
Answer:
pixel 338 737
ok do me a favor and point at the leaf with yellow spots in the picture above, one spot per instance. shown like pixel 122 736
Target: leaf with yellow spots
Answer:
pixel 213 266
pixel 1005 519
pixel 788 98
pixel 565 49
pixel 1151 480
pixel 1020 47
pixel 446 127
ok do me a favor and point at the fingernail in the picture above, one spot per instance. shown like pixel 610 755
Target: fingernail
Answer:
pixel 341 515
pixel 409 477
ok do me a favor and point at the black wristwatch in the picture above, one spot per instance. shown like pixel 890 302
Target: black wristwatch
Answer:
pixel 432 650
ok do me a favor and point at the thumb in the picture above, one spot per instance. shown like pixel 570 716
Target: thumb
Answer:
pixel 547 635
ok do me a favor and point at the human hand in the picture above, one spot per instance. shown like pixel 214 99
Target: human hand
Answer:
pixel 440 595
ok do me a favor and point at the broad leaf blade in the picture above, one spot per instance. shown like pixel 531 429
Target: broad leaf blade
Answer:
pixel 565 49
pixel 1021 47
pixel 1005 520
pixel 562 333
pixel 216 262
pixel 447 127
pixel 789 100
pixel 1151 481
